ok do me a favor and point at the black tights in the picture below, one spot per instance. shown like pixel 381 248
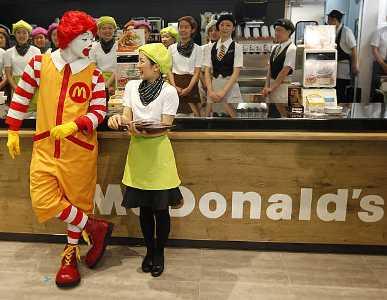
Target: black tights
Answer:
pixel 163 225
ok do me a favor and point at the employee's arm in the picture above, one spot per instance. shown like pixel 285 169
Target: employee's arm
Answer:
pixel 379 58
pixel 109 83
pixel 3 82
pixel 210 91
pixel 193 82
pixel 355 68
pixel 229 84
pixel 8 73
pixel 116 121
pixel 280 78
pixel 266 88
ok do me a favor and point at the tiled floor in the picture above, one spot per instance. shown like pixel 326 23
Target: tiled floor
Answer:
pixel 28 272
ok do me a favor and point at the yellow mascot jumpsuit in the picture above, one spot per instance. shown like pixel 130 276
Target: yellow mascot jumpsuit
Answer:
pixel 62 172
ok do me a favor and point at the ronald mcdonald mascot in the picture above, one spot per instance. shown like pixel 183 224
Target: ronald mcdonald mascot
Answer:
pixel 71 102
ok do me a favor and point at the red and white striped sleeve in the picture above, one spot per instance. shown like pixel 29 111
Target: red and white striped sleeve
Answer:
pixel 23 94
pixel 97 106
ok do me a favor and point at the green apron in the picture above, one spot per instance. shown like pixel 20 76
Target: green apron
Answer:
pixel 150 164
pixel 32 106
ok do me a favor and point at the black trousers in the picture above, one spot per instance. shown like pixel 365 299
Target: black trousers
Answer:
pixel 342 90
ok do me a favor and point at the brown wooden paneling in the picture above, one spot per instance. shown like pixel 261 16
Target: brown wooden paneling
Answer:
pixel 227 164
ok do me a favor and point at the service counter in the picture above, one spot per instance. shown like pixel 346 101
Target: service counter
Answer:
pixel 278 180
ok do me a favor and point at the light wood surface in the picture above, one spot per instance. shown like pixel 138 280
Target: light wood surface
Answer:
pixel 227 164
pixel 243 135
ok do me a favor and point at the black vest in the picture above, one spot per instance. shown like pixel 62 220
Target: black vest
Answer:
pixel 341 55
pixel 225 67
pixel 277 64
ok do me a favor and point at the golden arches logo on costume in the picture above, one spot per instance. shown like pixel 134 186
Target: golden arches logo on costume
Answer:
pixel 79 92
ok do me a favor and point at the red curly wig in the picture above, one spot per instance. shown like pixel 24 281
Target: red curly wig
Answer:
pixel 72 24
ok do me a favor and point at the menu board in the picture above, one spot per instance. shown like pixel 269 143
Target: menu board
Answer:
pixel 130 40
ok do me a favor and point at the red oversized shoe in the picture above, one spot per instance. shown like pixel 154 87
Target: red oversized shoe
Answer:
pixel 99 233
pixel 68 274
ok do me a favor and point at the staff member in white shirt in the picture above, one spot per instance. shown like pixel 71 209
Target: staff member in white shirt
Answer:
pixel 169 36
pixel 187 62
pixel 52 35
pixel 224 60
pixel 17 57
pixel 151 177
pixel 104 52
pixel 39 39
pixel 347 63
pixel 282 63
pixel 212 36
pixel 379 50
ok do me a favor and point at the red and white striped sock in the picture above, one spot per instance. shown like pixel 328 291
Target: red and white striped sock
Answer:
pixel 76 220
pixel 73 234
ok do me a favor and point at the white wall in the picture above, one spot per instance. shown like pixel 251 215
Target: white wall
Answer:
pixel 341 5
pixel 307 12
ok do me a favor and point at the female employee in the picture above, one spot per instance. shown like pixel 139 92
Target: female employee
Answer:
pixel 187 62
pixel 150 175
pixel 104 52
pixel 4 45
pixel 282 63
pixel 224 59
pixel 169 36
pixel 212 36
pixel 39 39
pixel 53 37
pixel 142 24
pixel 17 57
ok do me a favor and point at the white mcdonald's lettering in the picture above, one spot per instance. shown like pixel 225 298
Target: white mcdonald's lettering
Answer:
pixel 331 207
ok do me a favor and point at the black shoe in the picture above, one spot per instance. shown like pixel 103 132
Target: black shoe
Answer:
pixel 158 265
pixel 147 265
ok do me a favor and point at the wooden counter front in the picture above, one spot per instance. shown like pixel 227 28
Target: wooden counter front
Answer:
pixel 300 187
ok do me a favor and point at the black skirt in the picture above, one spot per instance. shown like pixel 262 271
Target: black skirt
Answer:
pixel 157 199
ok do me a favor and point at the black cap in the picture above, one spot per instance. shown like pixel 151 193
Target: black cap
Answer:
pixel 285 23
pixel 6 29
pixel 225 17
pixel 336 14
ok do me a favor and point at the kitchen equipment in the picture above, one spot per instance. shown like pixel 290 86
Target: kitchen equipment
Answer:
pixel 319 68
pixel 256 33
pixel 265 31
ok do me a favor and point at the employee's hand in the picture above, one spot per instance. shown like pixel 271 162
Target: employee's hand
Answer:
pixel 115 122
pixel 266 91
pixel 221 94
pixel 355 70
pixel 185 92
pixel 214 96
pixel 112 90
pixel 13 143
pixel 64 130
pixel 179 90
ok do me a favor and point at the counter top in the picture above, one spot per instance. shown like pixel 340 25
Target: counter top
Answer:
pixel 243 135
pixel 356 118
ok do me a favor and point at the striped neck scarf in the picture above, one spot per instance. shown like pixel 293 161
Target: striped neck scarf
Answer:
pixel 22 49
pixel 149 91
pixel 186 50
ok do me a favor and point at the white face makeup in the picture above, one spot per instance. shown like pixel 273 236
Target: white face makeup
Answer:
pixel 81 45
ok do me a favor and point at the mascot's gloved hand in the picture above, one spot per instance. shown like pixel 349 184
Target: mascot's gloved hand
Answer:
pixel 64 130
pixel 13 143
